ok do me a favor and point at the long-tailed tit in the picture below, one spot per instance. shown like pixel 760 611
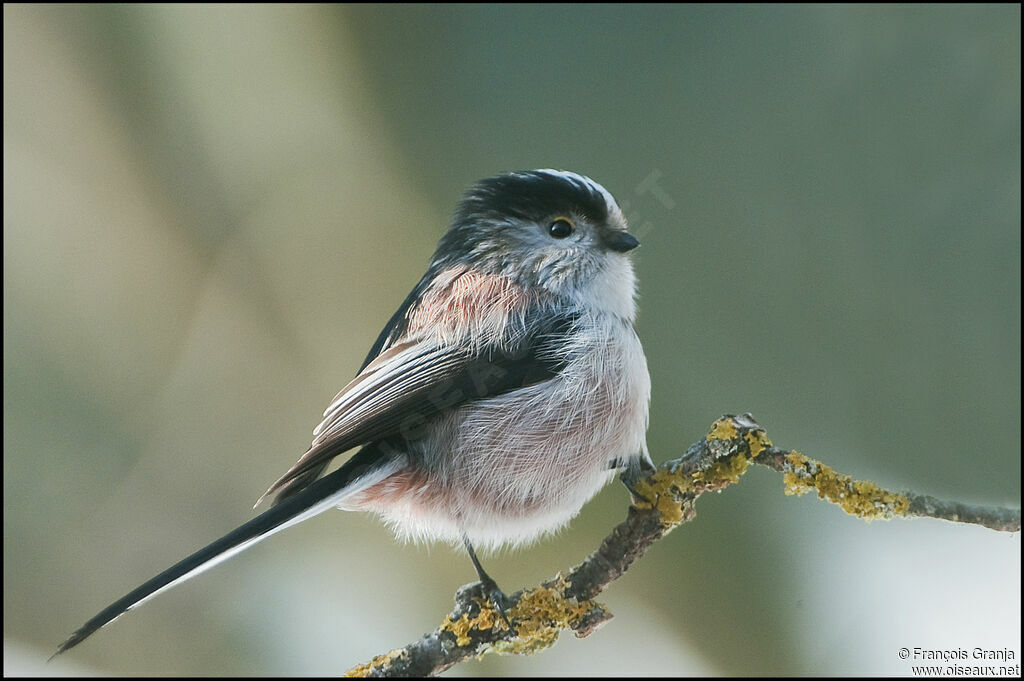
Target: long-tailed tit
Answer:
pixel 501 396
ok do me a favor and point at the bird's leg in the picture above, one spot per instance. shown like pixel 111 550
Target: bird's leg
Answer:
pixel 632 473
pixel 489 586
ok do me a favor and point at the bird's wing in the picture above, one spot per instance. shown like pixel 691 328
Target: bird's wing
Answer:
pixel 415 379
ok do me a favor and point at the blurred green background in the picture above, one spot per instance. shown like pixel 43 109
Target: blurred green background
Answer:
pixel 210 212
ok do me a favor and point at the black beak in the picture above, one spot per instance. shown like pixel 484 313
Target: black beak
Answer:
pixel 621 242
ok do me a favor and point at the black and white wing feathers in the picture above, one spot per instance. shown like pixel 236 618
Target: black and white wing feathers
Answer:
pixel 411 381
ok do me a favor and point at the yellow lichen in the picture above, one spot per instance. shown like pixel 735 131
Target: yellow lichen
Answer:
pixel 663 491
pixel 726 470
pixel 861 498
pixel 381 661
pixel 465 625
pixel 729 469
pixel 668 490
pixel 758 441
pixel 540 615
pixel 722 429
pixel 460 628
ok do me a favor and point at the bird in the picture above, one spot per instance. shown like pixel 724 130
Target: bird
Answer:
pixel 507 389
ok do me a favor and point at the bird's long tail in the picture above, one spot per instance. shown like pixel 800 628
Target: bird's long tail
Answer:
pixel 361 471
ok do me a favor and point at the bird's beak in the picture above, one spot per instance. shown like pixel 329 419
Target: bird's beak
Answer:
pixel 620 242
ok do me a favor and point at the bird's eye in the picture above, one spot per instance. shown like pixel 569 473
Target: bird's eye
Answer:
pixel 560 228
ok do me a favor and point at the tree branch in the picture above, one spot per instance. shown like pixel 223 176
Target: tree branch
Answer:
pixel 665 500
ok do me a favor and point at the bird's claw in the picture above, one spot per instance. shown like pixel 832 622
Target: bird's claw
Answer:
pixel 498 599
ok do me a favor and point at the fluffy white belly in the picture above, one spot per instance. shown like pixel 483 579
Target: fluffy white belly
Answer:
pixel 508 469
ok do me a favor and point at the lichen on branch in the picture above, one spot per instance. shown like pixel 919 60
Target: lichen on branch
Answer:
pixel 662 501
